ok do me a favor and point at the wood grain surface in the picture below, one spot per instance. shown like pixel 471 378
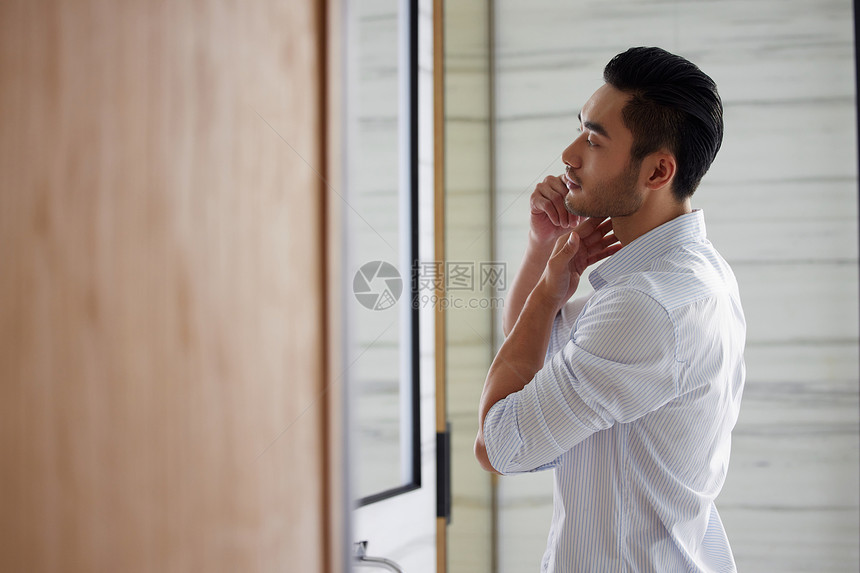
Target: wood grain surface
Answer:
pixel 162 296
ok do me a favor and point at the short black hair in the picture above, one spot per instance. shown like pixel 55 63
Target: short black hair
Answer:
pixel 673 105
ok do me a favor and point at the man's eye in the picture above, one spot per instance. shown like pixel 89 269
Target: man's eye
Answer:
pixel 590 143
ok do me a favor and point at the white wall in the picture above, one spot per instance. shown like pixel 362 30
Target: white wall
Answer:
pixel 781 206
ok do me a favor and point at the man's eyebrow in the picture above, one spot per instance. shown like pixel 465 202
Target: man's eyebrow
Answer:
pixel 595 127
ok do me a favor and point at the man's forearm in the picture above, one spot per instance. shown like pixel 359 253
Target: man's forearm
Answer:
pixel 517 362
pixel 521 355
pixel 534 262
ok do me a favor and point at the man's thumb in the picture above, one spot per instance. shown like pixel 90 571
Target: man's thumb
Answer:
pixel 566 248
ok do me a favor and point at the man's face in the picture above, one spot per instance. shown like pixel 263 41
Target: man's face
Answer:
pixel 600 178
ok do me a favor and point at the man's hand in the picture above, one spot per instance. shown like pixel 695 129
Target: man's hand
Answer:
pixel 549 221
pixel 549 217
pixel 591 241
pixel 522 354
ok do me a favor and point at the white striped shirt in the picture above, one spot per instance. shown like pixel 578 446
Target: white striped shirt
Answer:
pixel 634 409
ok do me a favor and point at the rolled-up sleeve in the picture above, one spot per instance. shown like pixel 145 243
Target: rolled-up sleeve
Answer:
pixel 617 365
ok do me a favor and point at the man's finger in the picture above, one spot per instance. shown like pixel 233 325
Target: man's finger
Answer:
pixel 543 205
pixel 607 252
pixel 597 233
pixel 556 193
pixel 572 243
pixel 589 225
pixel 601 243
pixel 566 247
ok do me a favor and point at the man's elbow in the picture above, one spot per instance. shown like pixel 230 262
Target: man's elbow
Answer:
pixel 481 454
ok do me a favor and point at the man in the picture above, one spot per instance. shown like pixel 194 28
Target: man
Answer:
pixel 631 395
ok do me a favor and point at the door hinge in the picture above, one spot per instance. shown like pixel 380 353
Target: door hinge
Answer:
pixel 443 473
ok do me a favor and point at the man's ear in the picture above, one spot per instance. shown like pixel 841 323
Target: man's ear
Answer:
pixel 661 169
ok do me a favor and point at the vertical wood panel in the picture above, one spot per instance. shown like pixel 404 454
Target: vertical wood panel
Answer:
pixel 439 328
pixel 161 286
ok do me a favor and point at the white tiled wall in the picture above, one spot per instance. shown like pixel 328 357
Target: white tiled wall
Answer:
pixel 780 204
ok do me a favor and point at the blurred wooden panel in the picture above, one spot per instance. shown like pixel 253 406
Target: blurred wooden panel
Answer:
pixel 162 296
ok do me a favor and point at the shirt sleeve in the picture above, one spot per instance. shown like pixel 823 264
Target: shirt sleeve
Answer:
pixel 562 325
pixel 617 365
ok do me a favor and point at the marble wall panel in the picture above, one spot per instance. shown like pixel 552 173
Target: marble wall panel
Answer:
pixel 468 240
pixel 781 206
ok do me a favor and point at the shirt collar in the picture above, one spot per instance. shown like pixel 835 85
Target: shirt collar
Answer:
pixel 639 254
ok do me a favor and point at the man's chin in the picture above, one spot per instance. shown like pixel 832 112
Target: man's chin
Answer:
pixel 577 210
pixel 570 207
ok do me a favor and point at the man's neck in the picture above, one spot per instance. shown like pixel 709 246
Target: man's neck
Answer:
pixel 650 216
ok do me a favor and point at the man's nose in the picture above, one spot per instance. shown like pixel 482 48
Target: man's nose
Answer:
pixel 571 156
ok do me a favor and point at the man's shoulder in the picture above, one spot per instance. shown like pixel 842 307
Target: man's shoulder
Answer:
pixel 682 276
pixel 632 297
